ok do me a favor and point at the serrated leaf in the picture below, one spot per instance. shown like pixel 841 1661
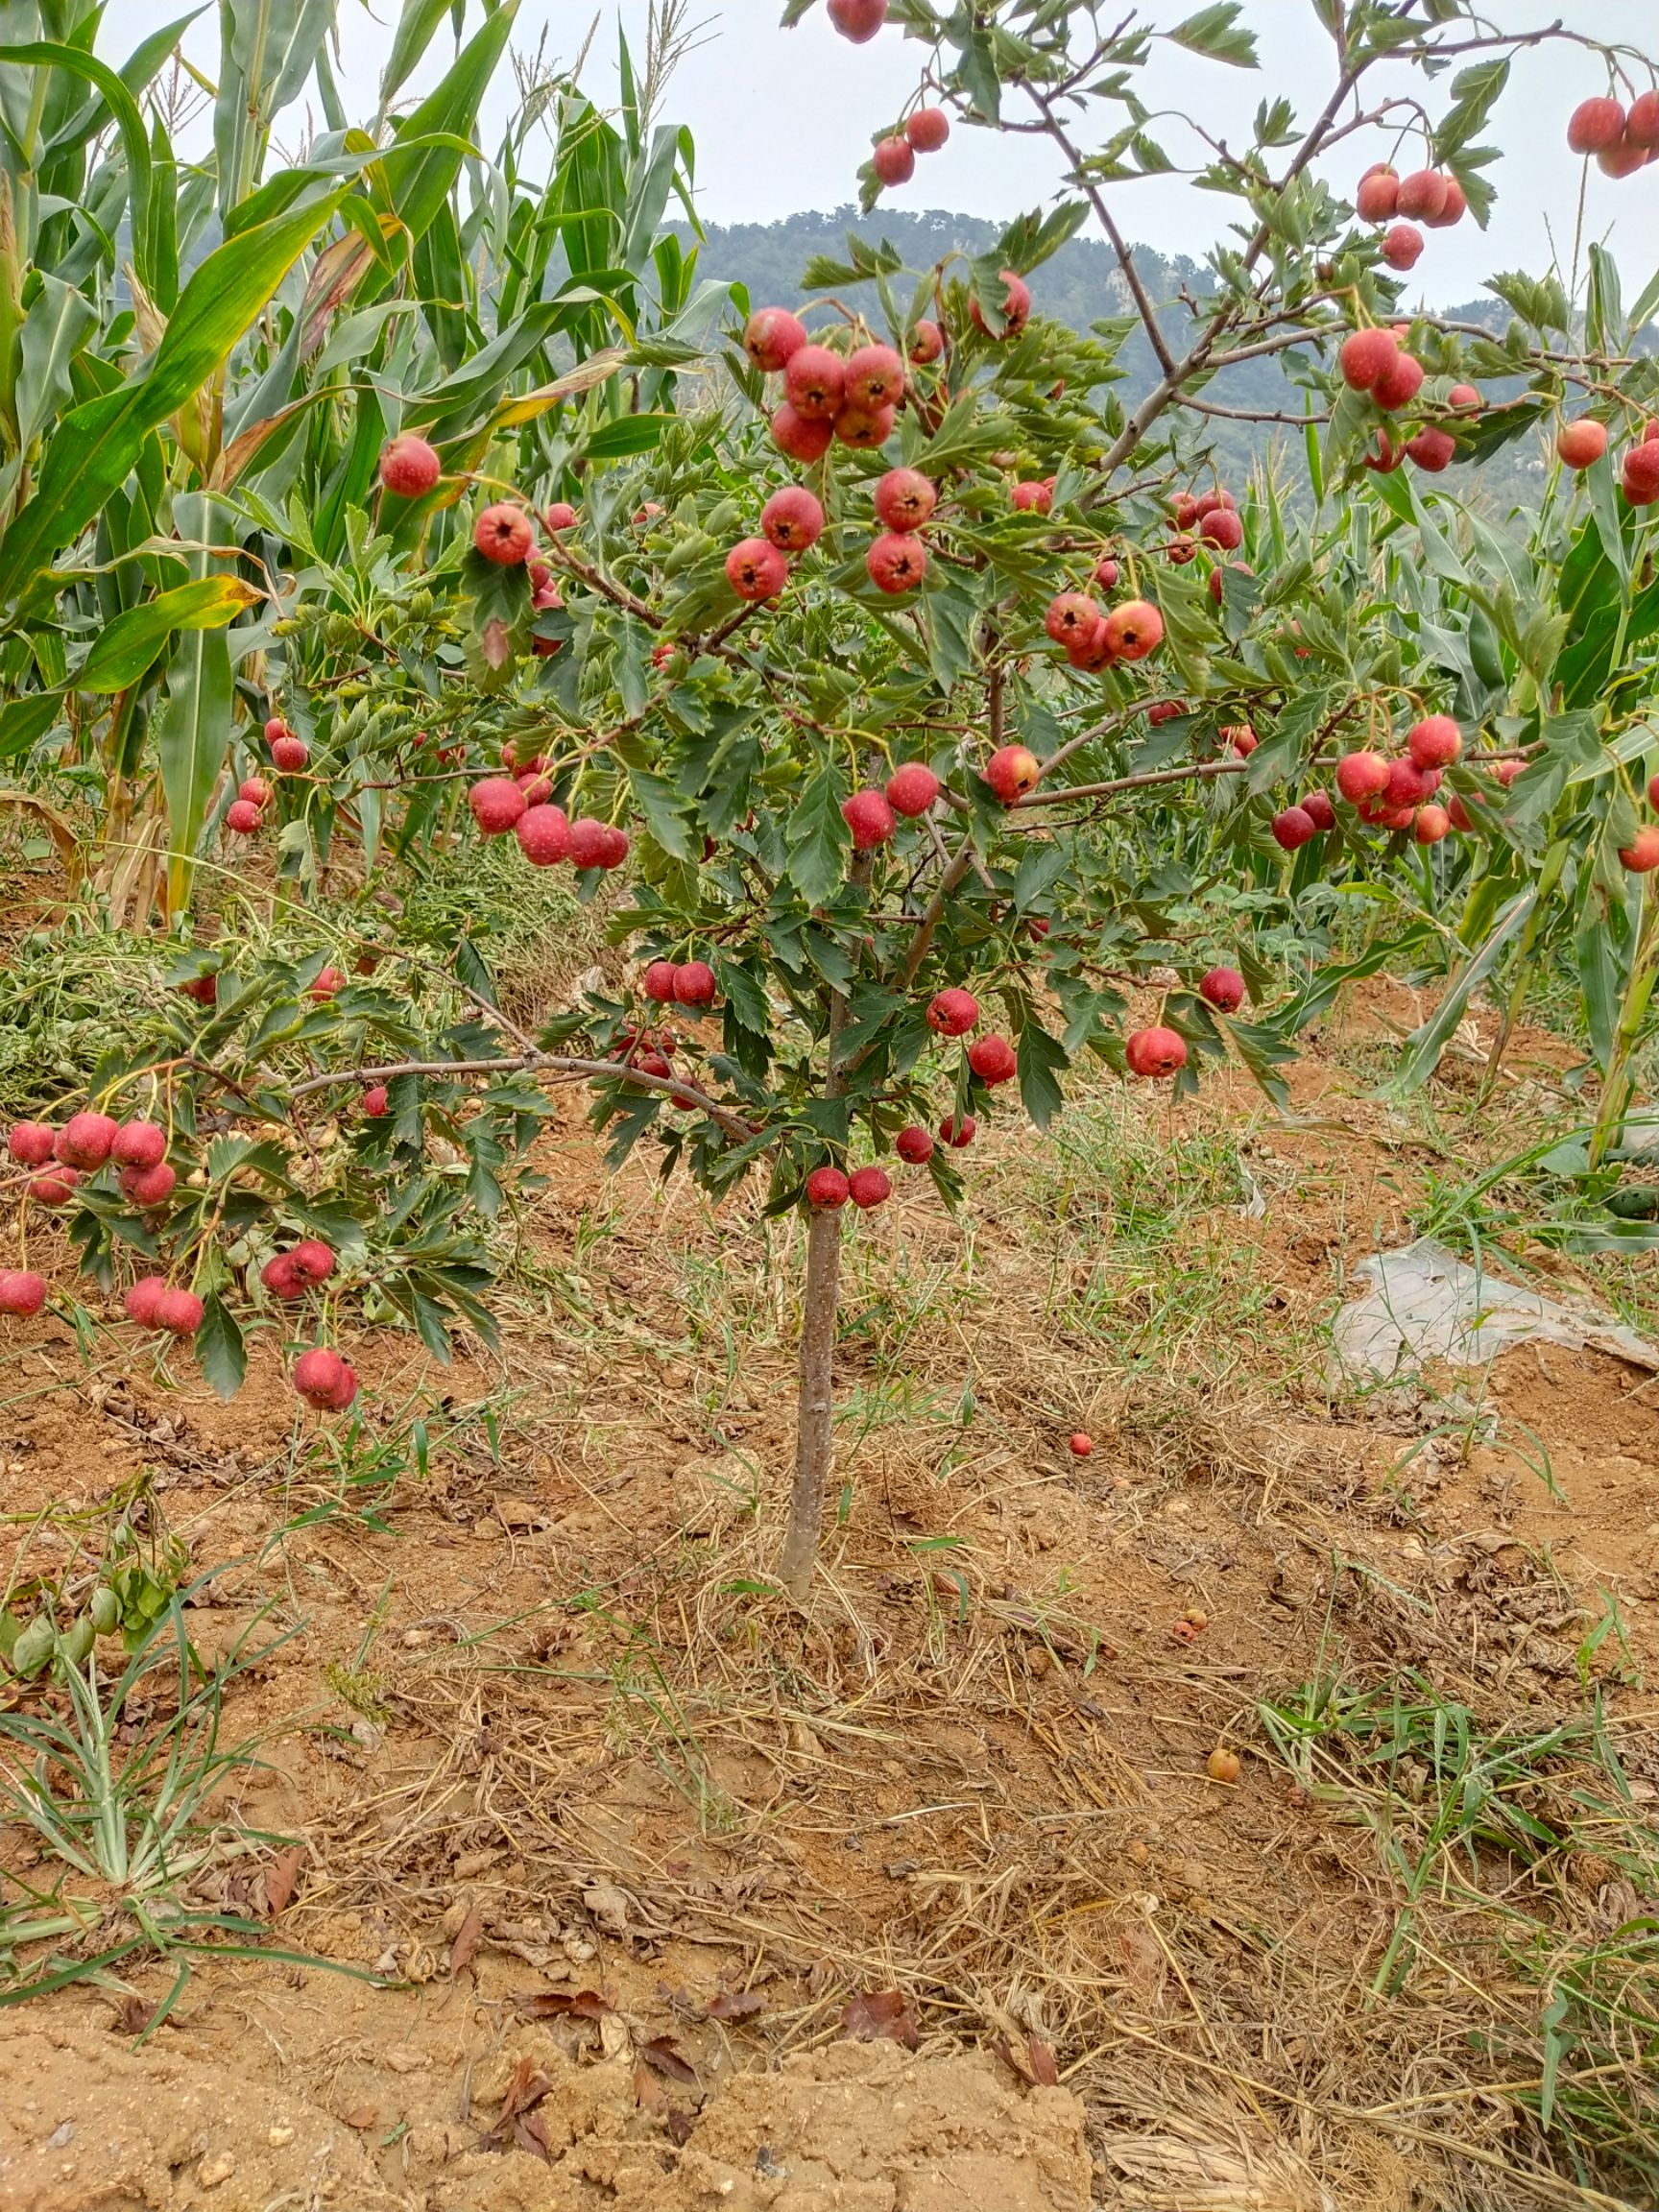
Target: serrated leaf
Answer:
pixel 817 839
pixel 1217 35
pixel 1040 1058
pixel 220 1351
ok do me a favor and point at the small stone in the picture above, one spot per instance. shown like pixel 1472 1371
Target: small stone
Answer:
pixel 280 2137
pixel 214 2172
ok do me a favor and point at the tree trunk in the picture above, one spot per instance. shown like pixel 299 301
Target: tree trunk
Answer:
pixel 815 1423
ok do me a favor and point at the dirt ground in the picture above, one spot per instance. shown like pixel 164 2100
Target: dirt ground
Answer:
pixel 656 1892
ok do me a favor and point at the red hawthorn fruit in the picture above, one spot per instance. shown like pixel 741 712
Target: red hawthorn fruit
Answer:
pixel 1217 589
pixel 1463 399
pixel 143 1297
pixel 857 20
pixel 755 569
pixel 1401 245
pixel 1134 630
pixel 1653 782
pixel 1504 772
pixel 1595 124
pixel 56 1187
pixel 1011 771
pixel 913 1146
pixel 654 1063
pixel 375 1101
pixel 904 498
pixel 560 517
pixel 318 1375
pixel 894 160
pixel 325 983
pixel 792 519
pixel 926 344
pixel 30 1143
pixel 587 842
pixel 1033 497
pixel 289 753
pixel 1640 473
pixel 1016 306
pixel 1642 124
pixel 1071 618
pixel 1181 551
pixel 537 790
pixel 1378 196
pixel 1092 651
pixel 874 377
pixel 312 1260
pixel 147 1186
pixel 1156 1051
pixel 1222 988
pixel 958 1131
pixel 1432 824
pixel 952 1013
pixel 85 1141
pixel 1421 195
pixel 612 846
pixel 991 1059
pixel 502 534
pixel 869 1186
pixel 694 984
pixel 179 1313
pixel 827 1189
pixel 1455 206
pixel 256 790
pixel 281 1278
pixel 865 429
pixel 1361 776
pixel 869 817
pixel 1431 449
pixel 345 1390
pixel 1223 528
pixel 1106 574
pixel 1209 502
pixel 771 335
pixel 1408 785
pixel 22 1292
pixel 1401 384
pixel 497 804
pixel 798 437
pixel 1080 1444
pixel 276 728
pixel 927 130
pixel 897 562
pixel 1165 711
pixel 1582 442
pixel 1434 742
pixel 1642 854
pixel 409 466
pixel 1623 159
pixel 1457 814
pixel 815 381
pixel 1292 828
pixel 1317 806
pixel 242 817
pixel 911 789
pixel 543 834
pixel 658 981
pixel 1185 511
pixel 1242 737
pixel 1387 456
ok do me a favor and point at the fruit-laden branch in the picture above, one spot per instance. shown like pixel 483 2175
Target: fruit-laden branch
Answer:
pixel 1064 791
pixel 541 1062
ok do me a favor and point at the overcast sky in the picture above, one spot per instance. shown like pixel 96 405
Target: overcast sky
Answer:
pixel 783 119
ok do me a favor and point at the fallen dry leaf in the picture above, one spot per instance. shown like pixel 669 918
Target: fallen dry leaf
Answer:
pixel 1041 2057
pixel 668 2058
pixel 735 2005
pixel 132 2015
pixel 280 1879
pixel 608 1905
pixel 881 2014
pixel 466 1944
pixel 561 2003
pixel 360 2117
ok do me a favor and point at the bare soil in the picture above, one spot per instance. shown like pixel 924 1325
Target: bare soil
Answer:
pixel 657 1892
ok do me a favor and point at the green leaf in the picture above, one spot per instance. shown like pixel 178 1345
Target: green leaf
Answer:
pixel 1425 1046
pixel 627 434
pixel 195 731
pixel 97 444
pixel 220 1351
pixel 1041 1059
pixel 1216 33
pixel 123 650
pixel 420 182
pixel 135 139
pixel 55 329
pixel 410 40
pixel 817 839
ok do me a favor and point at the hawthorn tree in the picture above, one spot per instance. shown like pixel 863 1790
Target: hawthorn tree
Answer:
pixel 928 698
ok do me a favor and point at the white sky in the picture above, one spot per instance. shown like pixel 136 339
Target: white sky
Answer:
pixel 783 119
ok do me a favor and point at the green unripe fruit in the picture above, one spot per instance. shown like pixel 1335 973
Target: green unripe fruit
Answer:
pixel 106 1611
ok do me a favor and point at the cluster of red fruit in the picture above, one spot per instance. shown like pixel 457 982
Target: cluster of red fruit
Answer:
pixel 829 396
pixel 1399 794
pixel 1427 196
pixel 522 803
pixel 894 156
pixel 1375 362
pixel 1298 825
pixel 247 810
pixel 872 816
pixel 289 753
pixel 1582 444
pixel 1093 639
pixel 1622 139
pixel 680 983
pixel 58 1158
